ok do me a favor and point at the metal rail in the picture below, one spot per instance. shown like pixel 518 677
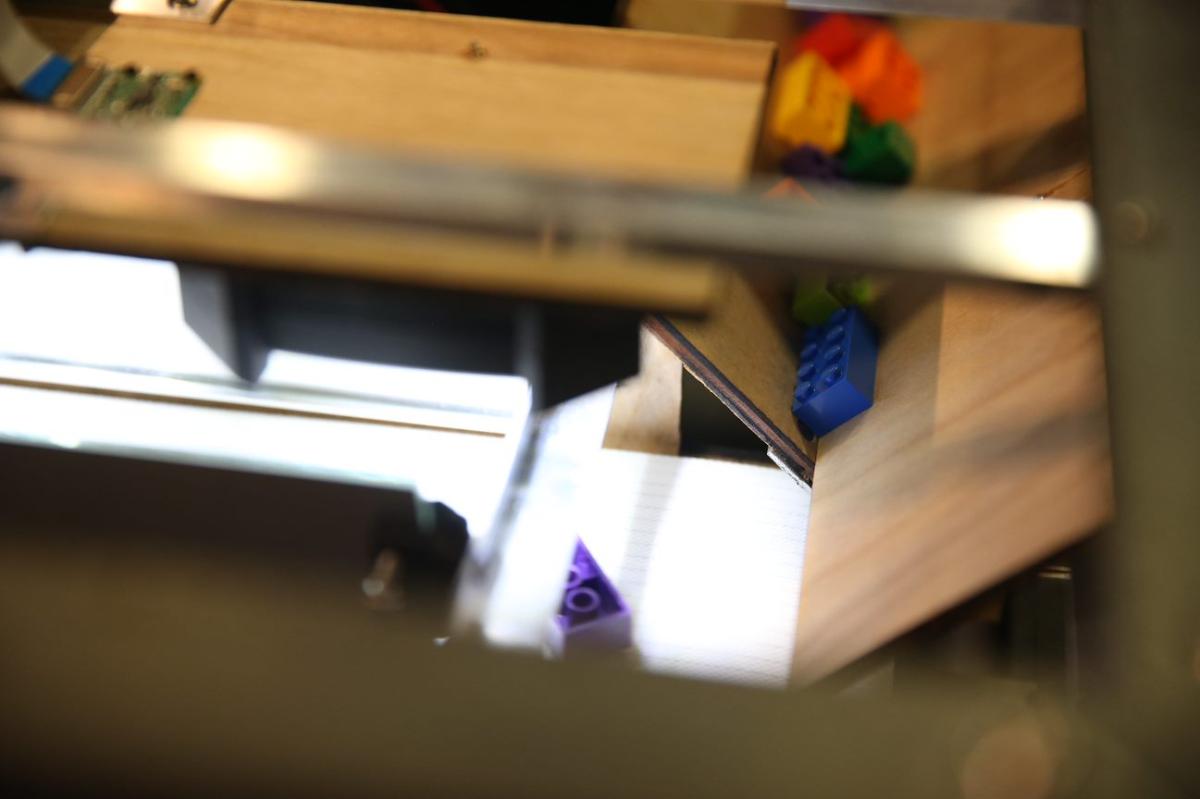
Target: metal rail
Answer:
pixel 1141 58
pixel 77 181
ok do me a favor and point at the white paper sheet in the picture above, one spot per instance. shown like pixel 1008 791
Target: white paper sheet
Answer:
pixel 709 556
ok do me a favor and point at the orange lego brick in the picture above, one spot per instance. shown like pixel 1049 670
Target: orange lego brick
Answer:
pixel 868 64
pixel 884 79
pixel 812 105
pixel 898 95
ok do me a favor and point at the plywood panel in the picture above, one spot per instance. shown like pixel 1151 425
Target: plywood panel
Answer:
pixel 646 408
pixel 986 451
pixel 593 101
pixel 1004 102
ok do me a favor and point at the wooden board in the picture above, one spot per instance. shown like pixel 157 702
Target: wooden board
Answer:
pixel 985 452
pixel 646 408
pixel 500 39
pixel 1005 104
pixel 586 100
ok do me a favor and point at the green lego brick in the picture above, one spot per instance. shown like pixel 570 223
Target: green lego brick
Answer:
pixel 813 304
pixel 880 154
pixel 858 124
pixel 132 94
pixel 860 292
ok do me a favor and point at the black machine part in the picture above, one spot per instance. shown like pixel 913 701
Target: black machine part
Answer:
pixel 564 351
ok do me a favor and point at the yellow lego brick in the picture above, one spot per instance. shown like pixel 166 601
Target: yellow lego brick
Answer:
pixel 812 105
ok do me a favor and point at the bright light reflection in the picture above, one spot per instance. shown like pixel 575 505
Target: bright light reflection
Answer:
pixel 463 470
pixel 1050 239
pixel 261 164
pixel 662 527
pixel 125 313
pixel 1052 242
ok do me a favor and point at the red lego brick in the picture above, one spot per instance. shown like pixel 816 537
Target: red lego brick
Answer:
pixel 837 37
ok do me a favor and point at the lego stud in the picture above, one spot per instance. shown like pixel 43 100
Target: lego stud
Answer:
pixel 836 378
pixel 582 601
pixel 574 577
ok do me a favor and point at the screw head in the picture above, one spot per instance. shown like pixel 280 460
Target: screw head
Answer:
pixel 1132 221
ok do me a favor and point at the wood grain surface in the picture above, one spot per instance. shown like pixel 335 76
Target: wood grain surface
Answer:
pixel 987 448
pixel 552 97
pixel 1005 103
pixel 986 451
pixel 646 408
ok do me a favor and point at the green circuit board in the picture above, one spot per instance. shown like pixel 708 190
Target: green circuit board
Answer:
pixel 127 93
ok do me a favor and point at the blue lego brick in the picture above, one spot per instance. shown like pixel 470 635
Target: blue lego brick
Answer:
pixel 592 615
pixel 836 380
pixel 41 84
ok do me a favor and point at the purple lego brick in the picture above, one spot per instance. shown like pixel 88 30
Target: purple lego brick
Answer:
pixel 592 616
pixel 836 380
pixel 812 163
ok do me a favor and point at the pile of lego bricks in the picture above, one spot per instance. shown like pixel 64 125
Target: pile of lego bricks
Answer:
pixel 840 102
pixel 839 107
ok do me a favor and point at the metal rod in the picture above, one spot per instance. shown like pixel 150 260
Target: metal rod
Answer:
pixel 145 182
pixel 1141 58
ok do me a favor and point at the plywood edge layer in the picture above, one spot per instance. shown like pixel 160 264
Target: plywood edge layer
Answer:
pixel 797 459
